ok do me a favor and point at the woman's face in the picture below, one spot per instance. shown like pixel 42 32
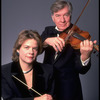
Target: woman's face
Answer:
pixel 28 51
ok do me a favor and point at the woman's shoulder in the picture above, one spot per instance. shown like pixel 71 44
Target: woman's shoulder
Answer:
pixel 6 70
pixel 6 66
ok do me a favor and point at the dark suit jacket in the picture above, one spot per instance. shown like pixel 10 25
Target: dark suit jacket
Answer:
pixel 67 68
pixel 12 89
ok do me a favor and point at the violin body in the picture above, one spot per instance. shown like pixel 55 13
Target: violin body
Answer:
pixel 74 35
pixel 72 40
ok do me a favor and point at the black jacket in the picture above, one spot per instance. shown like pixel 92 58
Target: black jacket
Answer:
pixel 67 67
pixel 12 89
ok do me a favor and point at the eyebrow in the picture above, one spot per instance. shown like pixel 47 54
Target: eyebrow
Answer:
pixel 30 46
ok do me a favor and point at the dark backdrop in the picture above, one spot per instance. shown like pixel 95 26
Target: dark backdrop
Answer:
pixel 35 14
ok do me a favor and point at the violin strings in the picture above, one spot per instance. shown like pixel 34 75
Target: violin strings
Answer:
pixel 26 85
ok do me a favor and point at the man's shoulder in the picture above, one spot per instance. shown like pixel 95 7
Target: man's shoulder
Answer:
pixel 50 27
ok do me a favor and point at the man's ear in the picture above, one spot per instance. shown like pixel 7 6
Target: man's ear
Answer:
pixel 52 17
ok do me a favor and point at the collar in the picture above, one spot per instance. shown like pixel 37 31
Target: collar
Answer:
pixel 56 28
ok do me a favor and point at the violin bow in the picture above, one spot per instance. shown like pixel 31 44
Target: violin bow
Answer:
pixel 26 85
pixel 71 31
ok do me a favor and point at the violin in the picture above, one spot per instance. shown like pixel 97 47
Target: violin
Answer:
pixel 74 35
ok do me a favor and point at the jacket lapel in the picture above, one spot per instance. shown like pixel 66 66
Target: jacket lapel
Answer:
pixel 17 72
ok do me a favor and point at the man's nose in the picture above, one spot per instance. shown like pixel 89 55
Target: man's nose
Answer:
pixel 62 19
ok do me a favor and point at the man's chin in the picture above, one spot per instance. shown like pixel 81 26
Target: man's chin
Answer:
pixel 62 29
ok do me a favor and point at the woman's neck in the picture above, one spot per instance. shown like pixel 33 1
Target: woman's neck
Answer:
pixel 25 66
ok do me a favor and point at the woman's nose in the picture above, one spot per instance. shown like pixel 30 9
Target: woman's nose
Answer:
pixel 31 51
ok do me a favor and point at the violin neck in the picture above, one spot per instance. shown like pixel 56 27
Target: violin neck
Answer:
pixel 96 47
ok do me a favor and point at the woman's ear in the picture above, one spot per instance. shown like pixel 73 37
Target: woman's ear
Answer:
pixel 17 51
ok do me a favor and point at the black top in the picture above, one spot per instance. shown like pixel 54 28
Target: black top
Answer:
pixel 67 67
pixel 12 89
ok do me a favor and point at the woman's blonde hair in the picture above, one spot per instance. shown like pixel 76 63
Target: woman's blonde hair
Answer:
pixel 23 36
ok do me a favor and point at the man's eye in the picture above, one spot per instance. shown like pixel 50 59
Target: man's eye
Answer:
pixel 57 15
pixel 67 14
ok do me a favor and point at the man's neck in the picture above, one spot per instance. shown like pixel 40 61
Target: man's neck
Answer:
pixel 65 29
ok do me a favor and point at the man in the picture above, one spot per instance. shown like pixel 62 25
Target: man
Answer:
pixel 68 63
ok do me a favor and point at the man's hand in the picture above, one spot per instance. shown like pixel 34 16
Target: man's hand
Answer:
pixel 56 42
pixel 86 48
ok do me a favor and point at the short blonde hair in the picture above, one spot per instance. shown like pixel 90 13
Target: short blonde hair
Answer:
pixel 23 36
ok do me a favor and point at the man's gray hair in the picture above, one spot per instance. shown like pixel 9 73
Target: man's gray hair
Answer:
pixel 60 4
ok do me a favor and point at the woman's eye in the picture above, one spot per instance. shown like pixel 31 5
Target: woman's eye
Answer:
pixel 35 48
pixel 26 47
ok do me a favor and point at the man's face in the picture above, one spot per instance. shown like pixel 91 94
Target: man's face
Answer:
pixel 62 18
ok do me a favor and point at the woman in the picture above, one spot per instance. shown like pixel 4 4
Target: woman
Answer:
pixel 25 68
